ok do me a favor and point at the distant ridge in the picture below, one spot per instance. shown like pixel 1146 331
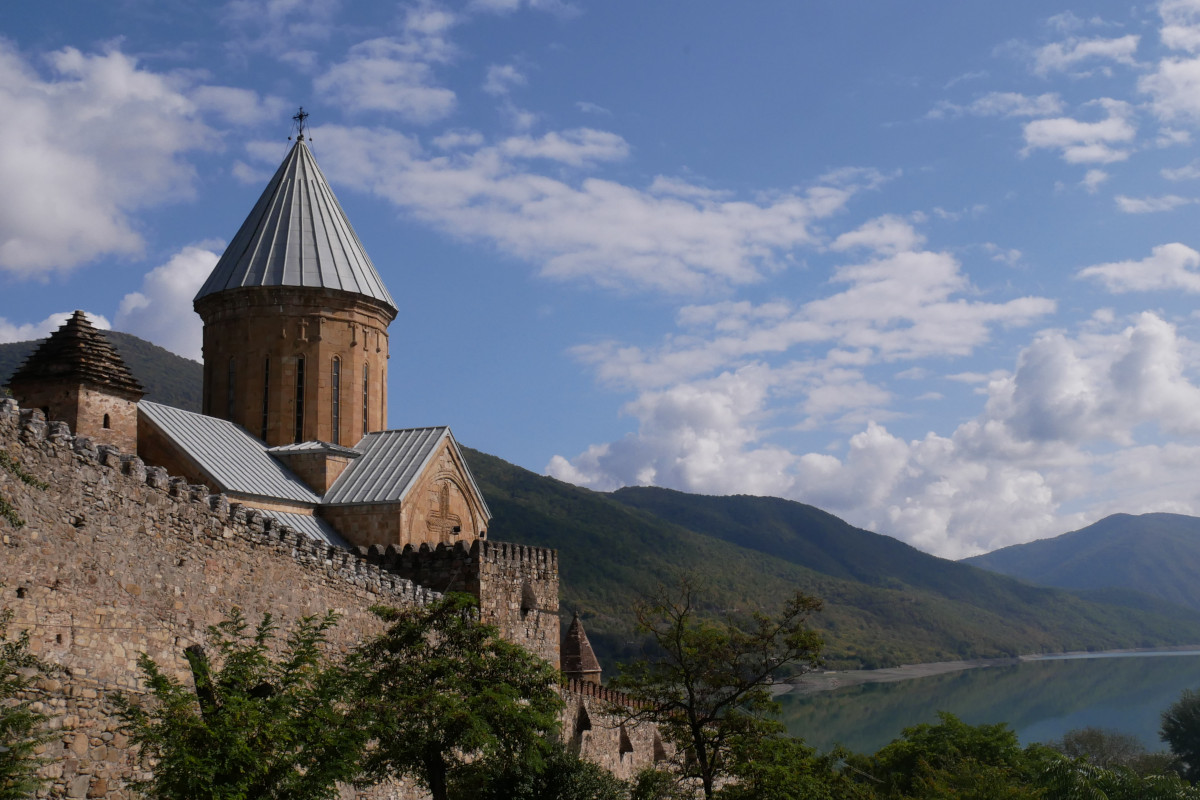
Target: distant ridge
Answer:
pixel 167 378
pixel 1155 554
pixel 886 603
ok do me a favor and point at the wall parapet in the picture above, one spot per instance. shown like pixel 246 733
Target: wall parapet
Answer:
pixel 598 692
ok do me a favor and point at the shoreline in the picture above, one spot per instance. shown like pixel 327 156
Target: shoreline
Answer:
pixel 814 682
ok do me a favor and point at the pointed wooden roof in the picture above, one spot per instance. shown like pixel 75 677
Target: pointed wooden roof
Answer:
pixel 578 658
pixel 297 235
pixel 78 352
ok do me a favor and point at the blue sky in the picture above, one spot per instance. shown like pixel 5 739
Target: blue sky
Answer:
pixel 932 267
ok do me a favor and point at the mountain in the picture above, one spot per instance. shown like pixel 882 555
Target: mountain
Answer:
pixel 1155 554
pixel 167 378
pixel 886 603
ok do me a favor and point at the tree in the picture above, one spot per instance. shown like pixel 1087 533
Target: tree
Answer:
pixel 952 760
pixel 450 700
pixel 561 775
pixel 21 729
pixel 709 691
pixel 1108 749
pixel 784 768
pixel 1181 731
pixel 253 726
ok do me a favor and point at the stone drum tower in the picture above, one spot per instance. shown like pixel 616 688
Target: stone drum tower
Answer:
pixel 295 318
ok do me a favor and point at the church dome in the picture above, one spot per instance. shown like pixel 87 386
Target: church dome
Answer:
pixel 297 235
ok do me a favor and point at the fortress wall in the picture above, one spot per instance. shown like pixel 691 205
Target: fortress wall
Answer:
pixel 517 585
pixel 596 725
pixel 116 559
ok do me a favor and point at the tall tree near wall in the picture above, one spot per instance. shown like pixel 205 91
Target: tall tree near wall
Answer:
pixel 452 702
pixel 709 691
pixel 253 726
pixel 21 730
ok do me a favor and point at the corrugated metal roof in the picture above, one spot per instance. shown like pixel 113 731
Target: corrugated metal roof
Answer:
pixel 392 461
pixel 311 526
pixel 314 447
pixel 297 235
pixel 233 458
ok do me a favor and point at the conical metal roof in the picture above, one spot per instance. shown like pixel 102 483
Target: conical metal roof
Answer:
pixel 297 235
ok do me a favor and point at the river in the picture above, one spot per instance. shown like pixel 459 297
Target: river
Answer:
pixel 1040 699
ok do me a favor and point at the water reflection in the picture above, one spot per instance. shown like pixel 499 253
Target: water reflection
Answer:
pixel 1040 700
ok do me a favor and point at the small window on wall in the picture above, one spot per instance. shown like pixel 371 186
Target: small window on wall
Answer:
pixel 107 422
pixel 266 395
pixel 335 384
pixel 300 399
pixel 365 404
pixel 231 391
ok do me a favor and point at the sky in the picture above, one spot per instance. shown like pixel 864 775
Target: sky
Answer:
pixel 933 267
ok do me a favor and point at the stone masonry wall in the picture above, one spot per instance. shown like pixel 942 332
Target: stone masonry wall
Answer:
pixel 597 725
pixel 116 559
pixel 517 585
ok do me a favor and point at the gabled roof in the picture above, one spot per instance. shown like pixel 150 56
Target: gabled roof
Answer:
pixel 297 235
pixel 237 461
pixel 79 352
pixel 392 462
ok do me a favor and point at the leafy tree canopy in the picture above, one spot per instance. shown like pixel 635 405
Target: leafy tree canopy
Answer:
pixel 254 726
pixel 450 700
pixel 709 691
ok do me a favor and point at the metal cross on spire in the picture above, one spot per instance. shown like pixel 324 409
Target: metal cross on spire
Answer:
pixel 299 118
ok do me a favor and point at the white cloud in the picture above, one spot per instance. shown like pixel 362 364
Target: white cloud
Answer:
pixel 1168 267
pixel 903 305
pixel 1004 104
pixel 280 27
pixel 1150 205
pixel 1001 478
pixel 237 106
pixel 886 234
pixel 502 78
pixel 592 108
pixel 1093 180
pixel 23 332
pixel 578 147
pixel 1181 24
pixel 1185 173
pixel 161 311
pixel 1174 89
pixel 595 229
pixel 97 141
pixel 1084 142
pixel 387 74
pixel 1063 56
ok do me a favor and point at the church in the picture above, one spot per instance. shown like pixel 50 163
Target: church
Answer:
pixel 294 422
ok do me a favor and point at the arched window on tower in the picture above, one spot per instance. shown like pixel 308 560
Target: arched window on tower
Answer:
pixel 230 390
pixel 300 399
pixel 365 404
pixel 335 385
pixel 266 395
pixel 107 423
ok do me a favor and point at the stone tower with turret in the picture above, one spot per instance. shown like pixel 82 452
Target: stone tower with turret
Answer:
pixel 76 376
pixel 295 318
